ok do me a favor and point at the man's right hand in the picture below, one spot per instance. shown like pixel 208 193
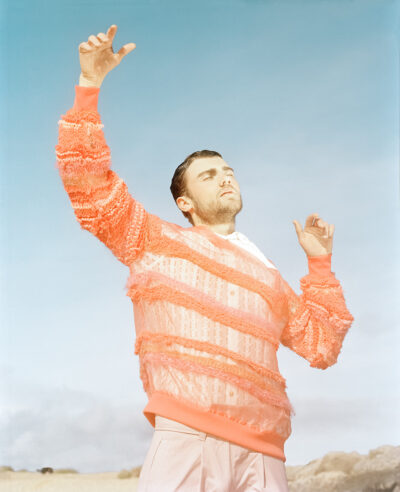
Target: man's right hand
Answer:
pixel 97 58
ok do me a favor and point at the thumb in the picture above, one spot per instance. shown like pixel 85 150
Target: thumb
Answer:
pixel 127 48
pixel 297 227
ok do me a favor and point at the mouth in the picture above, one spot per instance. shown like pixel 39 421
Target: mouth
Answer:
pixel 225 192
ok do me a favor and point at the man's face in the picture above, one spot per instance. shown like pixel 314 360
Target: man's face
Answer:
pixel 213 194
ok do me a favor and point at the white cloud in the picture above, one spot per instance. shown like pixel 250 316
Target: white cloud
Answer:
pixel 62 427
pixel 348 424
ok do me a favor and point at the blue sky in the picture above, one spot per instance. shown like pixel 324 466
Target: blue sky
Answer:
pixel 301 99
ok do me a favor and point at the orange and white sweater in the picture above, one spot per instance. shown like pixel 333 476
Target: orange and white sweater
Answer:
pixel 209 315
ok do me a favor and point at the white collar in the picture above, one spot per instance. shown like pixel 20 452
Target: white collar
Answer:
pixel 231 235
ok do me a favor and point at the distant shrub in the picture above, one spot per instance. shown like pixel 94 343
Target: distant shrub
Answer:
pixel 45 469
pixel 6 468
pixel 124 474
pixel 136 471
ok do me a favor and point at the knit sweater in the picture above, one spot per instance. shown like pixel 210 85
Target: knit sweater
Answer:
pixel 209 315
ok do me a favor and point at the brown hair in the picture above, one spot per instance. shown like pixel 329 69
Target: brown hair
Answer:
pixel 178 182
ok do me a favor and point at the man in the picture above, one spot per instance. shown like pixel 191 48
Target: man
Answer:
pixel 210 309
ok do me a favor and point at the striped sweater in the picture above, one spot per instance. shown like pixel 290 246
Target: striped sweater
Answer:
pixel 209 315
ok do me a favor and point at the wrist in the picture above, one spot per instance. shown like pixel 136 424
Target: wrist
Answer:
pixel 320 265
pixel 86 98
pixel 84 82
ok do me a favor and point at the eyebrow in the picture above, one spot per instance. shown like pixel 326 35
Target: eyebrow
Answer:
pixel 213 170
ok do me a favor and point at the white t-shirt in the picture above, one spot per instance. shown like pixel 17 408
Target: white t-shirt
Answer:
pixel 241 240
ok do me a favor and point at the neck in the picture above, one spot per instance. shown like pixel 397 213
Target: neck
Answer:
pixel 224 228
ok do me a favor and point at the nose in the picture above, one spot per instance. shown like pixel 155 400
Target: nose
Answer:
pixel 225 179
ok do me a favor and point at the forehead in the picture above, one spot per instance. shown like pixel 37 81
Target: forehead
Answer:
pixel 204 163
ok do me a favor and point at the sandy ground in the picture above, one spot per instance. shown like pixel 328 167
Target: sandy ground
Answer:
pixel 65 482
pixel 336 471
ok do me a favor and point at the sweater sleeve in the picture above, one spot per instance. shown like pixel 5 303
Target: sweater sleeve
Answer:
pixel 99 197
pixel 317 320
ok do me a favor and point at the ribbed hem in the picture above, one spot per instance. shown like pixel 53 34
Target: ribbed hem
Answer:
pixel 86 98
pixel 320 265
pixel 217 425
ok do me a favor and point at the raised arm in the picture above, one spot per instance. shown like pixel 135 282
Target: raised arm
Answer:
pixel 100 198
pixel 318 319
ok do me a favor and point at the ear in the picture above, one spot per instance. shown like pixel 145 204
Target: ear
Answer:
pixel 184 203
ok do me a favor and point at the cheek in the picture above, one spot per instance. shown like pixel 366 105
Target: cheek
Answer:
pixel 207 193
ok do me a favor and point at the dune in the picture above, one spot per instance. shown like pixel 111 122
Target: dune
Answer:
pixel 377 471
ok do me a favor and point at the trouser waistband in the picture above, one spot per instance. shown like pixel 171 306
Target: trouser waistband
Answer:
pixel 162 423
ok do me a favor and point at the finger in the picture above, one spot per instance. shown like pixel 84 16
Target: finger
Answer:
pixel 102 37
pixel 317 222
pixel 323 226
pixel 331 230
pixel 127 48
pixel 297 226
pixel 92 39
pixel 311 219
pixel 85 47
pixel 111 32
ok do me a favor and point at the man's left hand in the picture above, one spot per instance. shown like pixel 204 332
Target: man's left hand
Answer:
pixel 317 236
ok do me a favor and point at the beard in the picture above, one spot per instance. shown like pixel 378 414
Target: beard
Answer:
pixel 218 211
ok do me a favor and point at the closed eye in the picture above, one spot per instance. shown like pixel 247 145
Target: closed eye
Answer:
pixel 209 177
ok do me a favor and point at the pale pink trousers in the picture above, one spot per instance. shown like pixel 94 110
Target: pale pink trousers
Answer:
pixel 184 459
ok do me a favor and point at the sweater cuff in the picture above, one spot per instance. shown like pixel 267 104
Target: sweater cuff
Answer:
pixel 86 98
pixel 319 265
